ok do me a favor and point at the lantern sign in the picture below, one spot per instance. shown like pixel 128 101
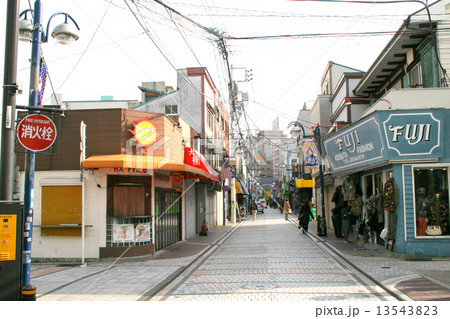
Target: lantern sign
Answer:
pixel 36 132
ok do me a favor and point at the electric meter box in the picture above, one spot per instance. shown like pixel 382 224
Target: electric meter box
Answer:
pixel 10 250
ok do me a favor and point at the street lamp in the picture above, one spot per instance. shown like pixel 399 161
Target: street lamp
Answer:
pixel 295 131
pixel 25 27
pixel 348 100
pixel 63 35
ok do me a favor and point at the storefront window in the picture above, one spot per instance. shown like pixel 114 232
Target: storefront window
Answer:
pixel 432 202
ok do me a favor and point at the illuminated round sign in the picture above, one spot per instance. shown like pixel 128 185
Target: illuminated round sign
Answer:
pixel 36 132
pixel 144 133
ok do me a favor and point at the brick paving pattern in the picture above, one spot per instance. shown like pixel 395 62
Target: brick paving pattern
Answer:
pixel 270 260
pixel 423 289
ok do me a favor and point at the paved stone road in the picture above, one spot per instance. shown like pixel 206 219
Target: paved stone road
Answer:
pixel 271 260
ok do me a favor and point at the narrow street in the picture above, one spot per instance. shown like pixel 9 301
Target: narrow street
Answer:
pixel 266 260
pixel 269 260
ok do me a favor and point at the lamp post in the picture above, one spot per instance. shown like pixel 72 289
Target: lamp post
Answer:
pixel 297 128
pixel 64 34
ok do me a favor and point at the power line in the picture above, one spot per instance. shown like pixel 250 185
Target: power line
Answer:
pixel 184 38
pixel 318 35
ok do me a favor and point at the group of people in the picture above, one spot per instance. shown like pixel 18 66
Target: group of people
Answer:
pixel 303 217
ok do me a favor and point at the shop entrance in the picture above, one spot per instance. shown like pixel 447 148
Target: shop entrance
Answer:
pixel 128 222
pixel 167 218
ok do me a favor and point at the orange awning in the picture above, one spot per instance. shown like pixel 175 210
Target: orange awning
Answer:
pixel 143 162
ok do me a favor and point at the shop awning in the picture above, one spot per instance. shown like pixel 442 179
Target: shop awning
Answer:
pixel 240 187
pixel 197 160
pixel 302 183
pixel 134 163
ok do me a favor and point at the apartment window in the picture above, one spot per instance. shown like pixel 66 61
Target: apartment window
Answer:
pixel 210 120
pixel 415 76
pixel 171 109
pixel 217 115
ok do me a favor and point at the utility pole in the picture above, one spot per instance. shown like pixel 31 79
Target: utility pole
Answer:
pixel 9 101
pixel 321 220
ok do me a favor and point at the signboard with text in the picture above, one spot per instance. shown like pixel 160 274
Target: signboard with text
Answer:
pixel 413 134
pixel 36 132
pixel 358 145
pixel 387 135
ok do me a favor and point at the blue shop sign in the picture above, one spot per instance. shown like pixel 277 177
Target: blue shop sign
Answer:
pixel 413 134
pixel 401 136
pixel 358 145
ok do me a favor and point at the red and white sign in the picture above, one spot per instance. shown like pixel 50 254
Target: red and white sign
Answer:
pixel 36 132
pixel 196 159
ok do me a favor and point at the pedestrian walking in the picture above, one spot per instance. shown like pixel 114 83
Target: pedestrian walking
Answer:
pixel 336 217
pixel 254 208
pixel 287 207
pixel 303 217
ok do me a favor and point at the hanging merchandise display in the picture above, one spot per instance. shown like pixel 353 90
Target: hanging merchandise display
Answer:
pixel 349 189
pixel 356 205
pixel 390 195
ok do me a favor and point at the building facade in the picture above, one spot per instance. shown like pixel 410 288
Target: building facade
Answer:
pixel 129 196
pixel 198 103
pixel 393 159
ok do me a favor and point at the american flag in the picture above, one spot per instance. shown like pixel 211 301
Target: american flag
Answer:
pixel 43 72
pixel 225 173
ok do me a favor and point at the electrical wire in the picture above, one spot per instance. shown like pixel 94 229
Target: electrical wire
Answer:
pixel 179 72
pixel 160 49
pixel 309 68
pixel 184 38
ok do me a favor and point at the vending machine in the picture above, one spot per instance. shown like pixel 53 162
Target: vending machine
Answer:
pixel 11 213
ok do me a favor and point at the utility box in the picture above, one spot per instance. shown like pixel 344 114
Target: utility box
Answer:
pixel 11 214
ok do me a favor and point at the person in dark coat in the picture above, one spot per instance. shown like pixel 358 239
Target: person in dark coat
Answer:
pixel 303 217
pixel 336 217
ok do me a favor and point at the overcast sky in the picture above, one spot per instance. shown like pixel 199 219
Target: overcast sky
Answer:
pixel 122 45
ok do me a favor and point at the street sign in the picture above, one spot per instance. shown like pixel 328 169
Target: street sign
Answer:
pixel 36 132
